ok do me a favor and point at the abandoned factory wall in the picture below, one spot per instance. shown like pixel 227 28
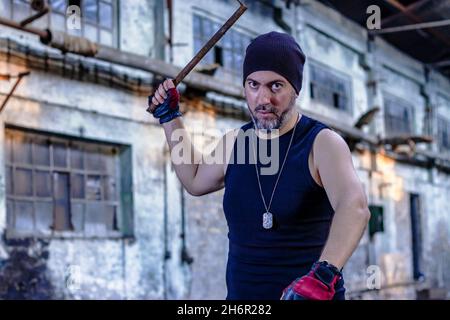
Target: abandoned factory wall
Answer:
pixel 125 227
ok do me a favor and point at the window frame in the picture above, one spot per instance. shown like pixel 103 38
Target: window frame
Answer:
pixel 397 102
pixel 123 211
pixel 49 20
pixel 334 74
pixel 238 45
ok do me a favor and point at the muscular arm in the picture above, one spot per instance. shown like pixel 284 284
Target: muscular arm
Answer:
pixel 333 160
pixel 197 174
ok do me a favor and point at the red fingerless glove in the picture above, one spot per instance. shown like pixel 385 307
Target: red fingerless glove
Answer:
pixel 318 284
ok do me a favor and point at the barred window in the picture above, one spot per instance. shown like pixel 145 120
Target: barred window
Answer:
pixel 228 52
pixel 57 185
pixel 330 88
pixel 398 116
pixel 443 132
pixel 98 17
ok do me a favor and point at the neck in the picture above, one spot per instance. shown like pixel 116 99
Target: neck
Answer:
pixel 288 125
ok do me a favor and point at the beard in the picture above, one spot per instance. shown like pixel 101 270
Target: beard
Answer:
pixel 278 120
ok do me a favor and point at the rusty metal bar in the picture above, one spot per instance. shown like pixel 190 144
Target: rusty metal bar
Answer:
pixel 155 66
pixel 43 34
pixel 19 78
pixel 409 8
pixel 36 16
pixel 417 26
pixel 204 50
pixel 211 42
pixel 417 19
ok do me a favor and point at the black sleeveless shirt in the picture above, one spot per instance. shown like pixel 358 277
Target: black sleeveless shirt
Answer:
pixel 262 262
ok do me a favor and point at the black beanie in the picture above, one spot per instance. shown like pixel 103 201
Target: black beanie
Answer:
pixel 277 52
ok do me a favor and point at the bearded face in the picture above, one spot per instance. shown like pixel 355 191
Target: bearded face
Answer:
pixel 270 98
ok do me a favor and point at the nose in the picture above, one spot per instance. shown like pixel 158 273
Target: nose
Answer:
pixel 264 95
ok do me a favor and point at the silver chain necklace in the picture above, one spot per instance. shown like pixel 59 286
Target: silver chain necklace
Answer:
pixel 268 216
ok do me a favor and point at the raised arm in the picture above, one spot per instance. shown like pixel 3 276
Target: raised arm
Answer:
pixel 196 172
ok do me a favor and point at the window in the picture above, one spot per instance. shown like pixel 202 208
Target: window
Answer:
pixel 443 139
pixel 61 186
pixel 330 88
pixel 229 51
pixel 398 116
pixel 98 22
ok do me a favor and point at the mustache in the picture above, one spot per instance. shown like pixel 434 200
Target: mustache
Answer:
pixel 266 108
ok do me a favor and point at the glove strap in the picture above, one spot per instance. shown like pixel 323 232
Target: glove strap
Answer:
pixel 326 273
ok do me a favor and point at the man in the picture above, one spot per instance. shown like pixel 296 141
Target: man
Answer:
pixel 290 233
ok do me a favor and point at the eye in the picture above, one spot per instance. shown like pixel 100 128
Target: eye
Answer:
pixel 277 86
pixel 252 84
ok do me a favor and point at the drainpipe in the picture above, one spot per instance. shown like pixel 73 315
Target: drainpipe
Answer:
pixel 170 38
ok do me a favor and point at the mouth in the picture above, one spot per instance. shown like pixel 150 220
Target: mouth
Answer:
pixel 266 113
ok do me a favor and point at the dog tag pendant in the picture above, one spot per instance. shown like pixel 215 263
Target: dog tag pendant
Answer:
pixel 267 220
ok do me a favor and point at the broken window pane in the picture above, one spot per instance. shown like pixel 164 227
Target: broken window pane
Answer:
pixel 93 188
pixel 111 217
pixel 76 158
pixel 23 214
pixel 44 215
pixel 94 220
pixel 78 216
pixel 61 201
pixel 42 183
pixel 41 152
pixel 60 155
pixel 22 149
pixel 23 182
pixel 77 186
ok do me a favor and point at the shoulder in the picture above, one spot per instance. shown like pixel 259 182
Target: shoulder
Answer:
pixel 329 143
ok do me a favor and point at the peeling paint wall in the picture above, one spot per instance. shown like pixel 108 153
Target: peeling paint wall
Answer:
pixel 151 265
pixel 128 268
